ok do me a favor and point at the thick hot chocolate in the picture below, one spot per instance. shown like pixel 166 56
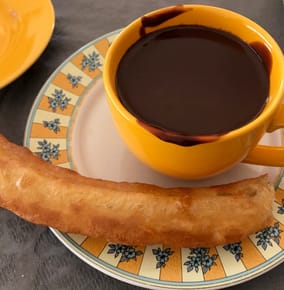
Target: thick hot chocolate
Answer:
pixel 193 80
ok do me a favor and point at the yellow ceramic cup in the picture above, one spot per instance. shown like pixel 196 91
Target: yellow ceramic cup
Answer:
pixel 210 158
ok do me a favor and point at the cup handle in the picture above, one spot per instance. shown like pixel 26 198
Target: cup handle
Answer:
pixel 269 155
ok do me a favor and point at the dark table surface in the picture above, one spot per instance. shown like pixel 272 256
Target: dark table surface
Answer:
pixel 30 256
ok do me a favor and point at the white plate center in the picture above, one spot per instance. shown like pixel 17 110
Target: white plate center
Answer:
pixel 97 150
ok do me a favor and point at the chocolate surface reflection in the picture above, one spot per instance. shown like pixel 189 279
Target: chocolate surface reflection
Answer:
pixel 265 54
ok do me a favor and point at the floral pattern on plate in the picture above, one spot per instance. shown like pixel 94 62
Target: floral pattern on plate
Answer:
pixel 151 266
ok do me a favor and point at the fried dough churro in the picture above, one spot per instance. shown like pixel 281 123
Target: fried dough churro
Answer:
pixel 130 213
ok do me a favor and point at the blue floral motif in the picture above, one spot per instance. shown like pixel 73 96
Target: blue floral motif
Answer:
pixel 235 249
pixel 48 151
pixel 91 61
pixel 127 252
pixel 199 257
pixel 52 125
pixel 281 208
pixel 162 256
pixel 74 80
pixel 59 100
pixel 266 235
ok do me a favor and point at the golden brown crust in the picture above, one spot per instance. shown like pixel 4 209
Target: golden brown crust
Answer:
pixel 131 213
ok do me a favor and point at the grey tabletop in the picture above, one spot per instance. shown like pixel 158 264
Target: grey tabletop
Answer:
pixel 31 257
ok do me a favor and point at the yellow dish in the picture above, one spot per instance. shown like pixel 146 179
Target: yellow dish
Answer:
pixel 25 30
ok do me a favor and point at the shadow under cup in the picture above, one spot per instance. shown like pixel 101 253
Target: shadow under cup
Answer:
pixel 213 153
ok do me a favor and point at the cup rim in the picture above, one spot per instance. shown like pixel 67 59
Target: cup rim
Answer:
pixel 266 113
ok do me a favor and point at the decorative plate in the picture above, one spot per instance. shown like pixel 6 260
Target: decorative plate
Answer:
pixel 70 126
pixel 25 30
